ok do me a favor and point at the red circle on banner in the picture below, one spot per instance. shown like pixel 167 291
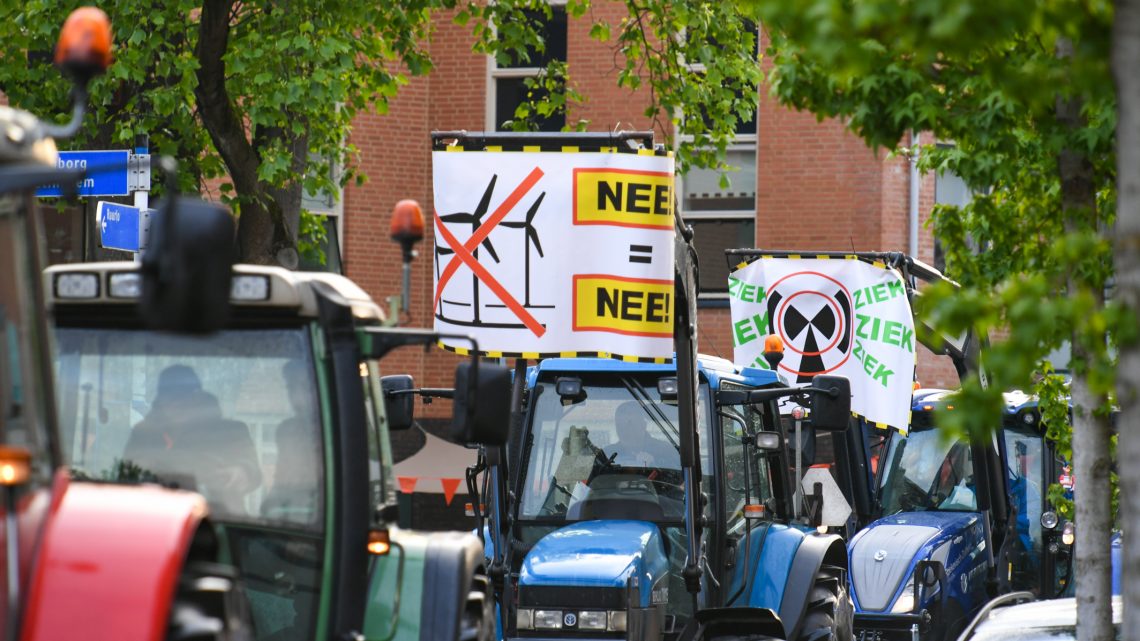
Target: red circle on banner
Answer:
pixel 846 329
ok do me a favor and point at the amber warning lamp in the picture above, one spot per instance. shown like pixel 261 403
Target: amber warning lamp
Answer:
pixel 407 229
pixel 82 52
pixel 15 466
pixel 378 542
pixel 84 48
pixel 773 351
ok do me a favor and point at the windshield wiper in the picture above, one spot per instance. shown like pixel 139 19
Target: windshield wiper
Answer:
pixel 637 390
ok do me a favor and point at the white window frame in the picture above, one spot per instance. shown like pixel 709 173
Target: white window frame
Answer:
pixel 494 74
pixel 334 211
pixel 741 142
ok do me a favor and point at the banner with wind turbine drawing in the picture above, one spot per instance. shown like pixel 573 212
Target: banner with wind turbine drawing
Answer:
pixel 542 254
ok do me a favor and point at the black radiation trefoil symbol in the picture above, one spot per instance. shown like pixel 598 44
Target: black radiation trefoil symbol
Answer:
pixel 812 333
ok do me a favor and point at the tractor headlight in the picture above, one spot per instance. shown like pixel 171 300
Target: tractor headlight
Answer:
pixel 905 603
pixel 617 621
pixel 592 620
pixel 1049 520
pixel 524 619
pixel 125 285
pixel 1068 533
pixel 249 287
pixel 74 286
pixel 548 619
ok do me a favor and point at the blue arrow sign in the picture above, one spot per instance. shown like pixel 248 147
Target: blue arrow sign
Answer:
pixel 118 226
pixel 105 173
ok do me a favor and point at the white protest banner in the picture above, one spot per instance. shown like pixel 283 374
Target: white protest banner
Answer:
pixel 544 254
pixel 843 317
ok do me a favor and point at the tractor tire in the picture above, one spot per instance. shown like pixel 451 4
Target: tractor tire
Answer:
pixel 478 622
pixel 830 614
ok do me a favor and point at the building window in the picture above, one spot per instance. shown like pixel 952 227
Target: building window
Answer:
pixel 949 189
pixel 722 217
pixel 326 210
pixel 506 86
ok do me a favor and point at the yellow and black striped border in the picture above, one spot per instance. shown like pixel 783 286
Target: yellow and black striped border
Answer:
pixel 565 149
pixel 877 263
pixel 537 356
pixel 881 426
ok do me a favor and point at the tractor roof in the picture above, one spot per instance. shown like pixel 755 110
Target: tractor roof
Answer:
pixel 714 368
pixel 254 286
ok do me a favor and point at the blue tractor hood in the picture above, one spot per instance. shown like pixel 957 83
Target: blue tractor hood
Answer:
pixel 598 554
pixel 883 555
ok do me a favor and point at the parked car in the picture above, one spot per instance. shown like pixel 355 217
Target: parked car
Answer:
pixel 1047 620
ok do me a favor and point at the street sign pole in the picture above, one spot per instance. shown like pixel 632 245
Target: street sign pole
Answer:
pixel 140 184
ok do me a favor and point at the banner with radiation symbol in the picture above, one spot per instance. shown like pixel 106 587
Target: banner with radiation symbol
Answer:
pixel 842 317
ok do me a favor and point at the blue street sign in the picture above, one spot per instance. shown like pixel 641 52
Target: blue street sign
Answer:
pixel 118 226
pixel 105 173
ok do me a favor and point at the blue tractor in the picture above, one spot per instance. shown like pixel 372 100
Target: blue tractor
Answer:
pixel 597 532
pixel 652 501
pixel 955 523
pixel 938 527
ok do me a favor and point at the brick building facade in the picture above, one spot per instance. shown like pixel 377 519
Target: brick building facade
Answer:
pixel 804 185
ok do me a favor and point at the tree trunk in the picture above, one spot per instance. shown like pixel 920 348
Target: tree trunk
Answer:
pixel 263 236
pixel 1126 250
pixel 1091 462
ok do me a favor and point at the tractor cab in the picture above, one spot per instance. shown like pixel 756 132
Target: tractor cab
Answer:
pixel 950 529
pixel 598 530
pixel 281 420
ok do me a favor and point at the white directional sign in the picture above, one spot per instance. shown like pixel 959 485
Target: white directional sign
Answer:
pixel 836 509
pixel 555 253
pixel 122 227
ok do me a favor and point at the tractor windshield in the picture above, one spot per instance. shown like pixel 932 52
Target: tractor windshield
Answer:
pixel 232 416
pixel 926 472
pixel 609 451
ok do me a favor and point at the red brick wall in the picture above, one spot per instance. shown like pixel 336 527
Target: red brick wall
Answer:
pixel 820 187
pixel 593 68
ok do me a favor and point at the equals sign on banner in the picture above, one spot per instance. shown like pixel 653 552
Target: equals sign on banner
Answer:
pixel 641 253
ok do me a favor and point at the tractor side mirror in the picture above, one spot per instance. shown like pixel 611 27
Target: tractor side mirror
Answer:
pixel 482 404
pixel 186 270
pixel 399 400
pixel 830 403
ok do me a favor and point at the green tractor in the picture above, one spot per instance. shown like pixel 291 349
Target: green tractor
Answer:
pixel 276 412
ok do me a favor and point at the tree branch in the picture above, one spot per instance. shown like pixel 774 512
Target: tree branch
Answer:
pixel 225 128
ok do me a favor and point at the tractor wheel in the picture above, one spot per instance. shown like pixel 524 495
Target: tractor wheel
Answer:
pixel 830 613
pixel 479 612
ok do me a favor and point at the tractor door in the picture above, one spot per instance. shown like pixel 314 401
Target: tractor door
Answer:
pixel 23 394
pixel 752 495
pixel 1035 565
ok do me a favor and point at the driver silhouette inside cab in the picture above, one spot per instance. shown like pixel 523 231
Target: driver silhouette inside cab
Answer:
pixel 954 484
pixel 185 440
pixel 295 493
pixel 635 447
